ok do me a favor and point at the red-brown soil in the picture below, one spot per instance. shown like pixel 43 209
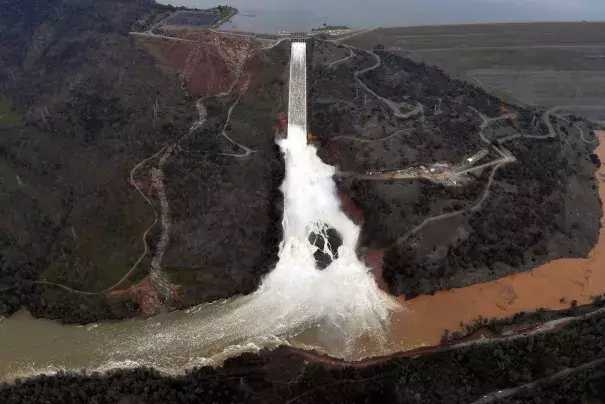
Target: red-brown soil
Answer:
pixel 145 294
pixel 423 319
pixel 577 279
pixel 207 61
pixel 354 212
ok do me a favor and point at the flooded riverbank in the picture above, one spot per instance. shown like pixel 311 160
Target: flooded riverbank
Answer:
pixel 208 334
pixel 425 318
pixel 571 278
pixel 339 310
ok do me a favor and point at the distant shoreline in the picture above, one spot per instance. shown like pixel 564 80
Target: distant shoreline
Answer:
pixel 461 24
pixel 458 25
pixel 235 11
pixel 227 18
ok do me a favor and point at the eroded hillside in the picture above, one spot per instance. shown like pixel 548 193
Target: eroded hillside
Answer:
pixel 139 171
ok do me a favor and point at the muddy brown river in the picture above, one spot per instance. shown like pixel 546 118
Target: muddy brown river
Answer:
pixel 174 342
pixel 424 318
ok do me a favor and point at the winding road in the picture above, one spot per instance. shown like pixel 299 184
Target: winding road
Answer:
pixel 394 106
pixel 342 60
pixel 144 237
pixel 501 394
pixel 498 163
pixel 247 151
pixel 164 153
pixel 580 130
pixel 507 158
pixel 433 219
pixel 355 139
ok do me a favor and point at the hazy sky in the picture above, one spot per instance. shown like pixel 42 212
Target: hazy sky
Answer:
pixel 365 13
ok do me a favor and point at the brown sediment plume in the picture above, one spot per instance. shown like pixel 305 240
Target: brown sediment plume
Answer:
pixel 419 327
pixel 425 318
pixel 480 336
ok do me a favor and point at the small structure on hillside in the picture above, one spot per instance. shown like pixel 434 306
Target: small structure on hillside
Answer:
pixel 477 156
pixel 294 36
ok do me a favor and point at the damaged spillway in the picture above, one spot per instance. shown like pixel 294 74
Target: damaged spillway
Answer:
pixel 294 297
pixel 344 296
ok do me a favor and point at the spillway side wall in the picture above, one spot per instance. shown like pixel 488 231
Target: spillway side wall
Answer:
pixel 297 99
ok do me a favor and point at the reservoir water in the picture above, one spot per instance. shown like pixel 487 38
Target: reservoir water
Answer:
pixel 270 16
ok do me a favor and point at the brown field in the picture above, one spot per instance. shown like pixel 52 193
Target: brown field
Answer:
pixel 541 64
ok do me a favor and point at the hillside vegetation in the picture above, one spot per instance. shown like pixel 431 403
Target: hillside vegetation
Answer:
pixel 540 207
pixel 86 111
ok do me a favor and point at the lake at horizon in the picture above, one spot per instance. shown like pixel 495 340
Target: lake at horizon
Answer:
pixel 270 16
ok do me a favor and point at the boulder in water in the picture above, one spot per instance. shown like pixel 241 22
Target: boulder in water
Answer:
pixel 327 242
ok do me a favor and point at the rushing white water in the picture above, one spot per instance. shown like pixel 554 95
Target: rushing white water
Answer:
pixel 294 297
pixel 344 294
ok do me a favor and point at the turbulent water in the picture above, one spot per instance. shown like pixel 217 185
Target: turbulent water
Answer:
pixel 294 297
pixel 344 294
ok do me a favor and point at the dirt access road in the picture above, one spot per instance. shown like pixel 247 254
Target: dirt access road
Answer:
pixel 545 64
pixel 424 318
pixel 422 321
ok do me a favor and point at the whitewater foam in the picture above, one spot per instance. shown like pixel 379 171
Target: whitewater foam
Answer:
pixel 294 297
